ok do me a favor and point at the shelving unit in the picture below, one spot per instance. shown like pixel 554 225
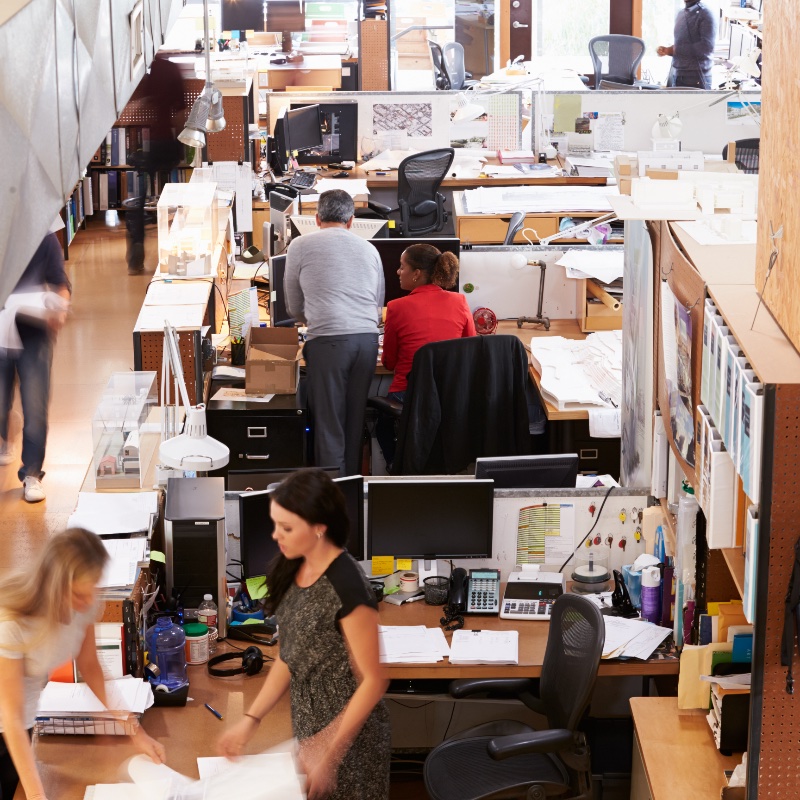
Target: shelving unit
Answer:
pixel 374 46
pixel 74 212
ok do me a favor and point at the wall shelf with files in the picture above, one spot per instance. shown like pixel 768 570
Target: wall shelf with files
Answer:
pixel 73 214
pixel 757 563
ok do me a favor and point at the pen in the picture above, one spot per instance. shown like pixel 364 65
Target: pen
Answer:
pixel 213 711
pixel 415 598
pixel 380 173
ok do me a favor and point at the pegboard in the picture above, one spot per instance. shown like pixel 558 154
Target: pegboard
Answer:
pixel 151 348
pixel 775 726
pixel 230 143
pixel 374 55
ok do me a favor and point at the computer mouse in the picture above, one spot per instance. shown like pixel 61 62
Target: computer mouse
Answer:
pixel 340 175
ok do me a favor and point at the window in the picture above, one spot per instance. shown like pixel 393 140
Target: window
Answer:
pixel 561 30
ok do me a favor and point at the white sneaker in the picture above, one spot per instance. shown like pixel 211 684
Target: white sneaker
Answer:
pixel 6 454
pixel 32 490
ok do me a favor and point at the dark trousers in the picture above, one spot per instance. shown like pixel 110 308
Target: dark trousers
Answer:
pixel 386 431
pixel 339 372
pixel 693 80
pixel 32 365
pixel 8 772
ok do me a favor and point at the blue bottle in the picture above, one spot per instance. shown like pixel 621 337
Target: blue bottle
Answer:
pixel 167 645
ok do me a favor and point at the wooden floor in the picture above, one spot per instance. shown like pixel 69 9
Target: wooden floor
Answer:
pixel 95 342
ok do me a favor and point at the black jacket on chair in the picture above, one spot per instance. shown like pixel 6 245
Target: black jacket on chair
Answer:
pixel 465 400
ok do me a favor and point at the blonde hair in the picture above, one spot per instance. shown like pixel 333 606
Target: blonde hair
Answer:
pixel 44 590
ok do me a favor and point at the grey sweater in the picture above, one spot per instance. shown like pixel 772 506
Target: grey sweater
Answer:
pixel 334 282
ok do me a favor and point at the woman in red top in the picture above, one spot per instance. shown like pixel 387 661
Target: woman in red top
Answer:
pixel 428 314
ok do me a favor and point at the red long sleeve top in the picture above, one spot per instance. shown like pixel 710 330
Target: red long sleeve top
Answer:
pixel 428 314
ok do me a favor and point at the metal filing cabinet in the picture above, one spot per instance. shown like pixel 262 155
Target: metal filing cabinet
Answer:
pixel 261 436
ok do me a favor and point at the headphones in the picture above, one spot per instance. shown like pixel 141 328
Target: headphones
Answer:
pixel 252 662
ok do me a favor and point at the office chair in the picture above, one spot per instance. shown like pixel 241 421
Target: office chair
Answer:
pixel 511 760
pixel 612 86
pixel 419 201
pixel 615 57
pixel 466 399
pixel 440 75
pixel 453 54
pixel 515 225
pixel 746 156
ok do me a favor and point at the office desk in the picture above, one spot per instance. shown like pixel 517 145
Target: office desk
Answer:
pixel 674 755
pixel 480 228
pixel 314 70
pixel 532 644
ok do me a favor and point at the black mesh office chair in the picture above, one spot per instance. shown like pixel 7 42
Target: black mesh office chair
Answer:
pixel 746 157
pixel 440 75
pixel 615 57
pixel 419 201
pixel 511 760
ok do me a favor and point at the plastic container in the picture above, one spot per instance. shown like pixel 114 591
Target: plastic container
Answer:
pixel 436 589
pixel 651 594
pixel 207 614
pixel 167 643
pixel 196 642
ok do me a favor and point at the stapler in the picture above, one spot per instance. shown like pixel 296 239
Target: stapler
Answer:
pixel 621 605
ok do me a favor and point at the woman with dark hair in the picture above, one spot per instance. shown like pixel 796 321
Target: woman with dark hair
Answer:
pixel 329 647
pixel 428 314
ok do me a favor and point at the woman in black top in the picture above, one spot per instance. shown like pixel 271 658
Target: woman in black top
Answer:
pixel 329 648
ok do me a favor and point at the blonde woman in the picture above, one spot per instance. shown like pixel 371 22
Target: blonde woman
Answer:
pixel 47 616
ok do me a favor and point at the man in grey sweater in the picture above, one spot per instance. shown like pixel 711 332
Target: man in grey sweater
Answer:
pixel 695 36
pixel 334 282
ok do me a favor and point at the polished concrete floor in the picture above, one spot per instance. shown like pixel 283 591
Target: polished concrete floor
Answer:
pixel 95 342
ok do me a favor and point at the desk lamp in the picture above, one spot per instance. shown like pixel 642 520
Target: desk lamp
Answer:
pixel 207 113
pixel 193 450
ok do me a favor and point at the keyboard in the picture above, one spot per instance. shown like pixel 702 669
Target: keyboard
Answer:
pixel 302 179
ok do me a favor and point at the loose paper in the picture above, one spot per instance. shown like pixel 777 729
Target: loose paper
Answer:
pixel 416 119
pixel 609 131
pixel 566 108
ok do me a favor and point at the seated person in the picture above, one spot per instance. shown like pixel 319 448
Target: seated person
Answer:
pixel 428 314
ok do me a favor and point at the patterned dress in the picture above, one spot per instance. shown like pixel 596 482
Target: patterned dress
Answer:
pixel 322 681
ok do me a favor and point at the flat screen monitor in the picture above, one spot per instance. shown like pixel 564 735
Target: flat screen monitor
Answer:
pixel 302 128
pixel 390 251
pixel 242 15
pixel 281 208
pixel 255 525
pixel 286 16
pixel 279 316
pixel 430 519
pixel 530 472
pixel 339 129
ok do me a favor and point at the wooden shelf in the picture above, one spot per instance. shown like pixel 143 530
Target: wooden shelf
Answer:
pixel 734 558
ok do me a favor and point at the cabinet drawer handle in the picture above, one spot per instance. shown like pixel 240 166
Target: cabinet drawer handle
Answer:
pixel 589 454
pixel 257 433
pixel 254 458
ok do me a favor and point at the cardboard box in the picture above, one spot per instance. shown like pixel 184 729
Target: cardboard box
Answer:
pixel 272 364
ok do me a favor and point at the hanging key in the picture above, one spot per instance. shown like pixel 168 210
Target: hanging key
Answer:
pixel 597 539
pixel 622 516
pixel 588 542
pixel 610 539
pixel 592 509
pixel 622 543
pixel 637 534
pixel 641 515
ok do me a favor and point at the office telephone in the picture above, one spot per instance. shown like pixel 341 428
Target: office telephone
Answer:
pixel 478 593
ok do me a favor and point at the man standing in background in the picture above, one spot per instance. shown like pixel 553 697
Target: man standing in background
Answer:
pixel 695 36
pixel 44 274
pixel 334 282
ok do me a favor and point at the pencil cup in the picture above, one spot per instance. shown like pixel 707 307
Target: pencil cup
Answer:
pixel 436 587
pixel 237 354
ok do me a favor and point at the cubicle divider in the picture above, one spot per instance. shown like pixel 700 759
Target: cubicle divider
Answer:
pixel 425 117
pixel 490 277
pixel 578 511
pixel 710 119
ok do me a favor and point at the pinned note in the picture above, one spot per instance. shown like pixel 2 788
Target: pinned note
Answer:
pixel 382 565
pixel 257 587
pixel 404 564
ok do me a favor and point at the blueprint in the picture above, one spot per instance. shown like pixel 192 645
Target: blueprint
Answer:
pixel 416 119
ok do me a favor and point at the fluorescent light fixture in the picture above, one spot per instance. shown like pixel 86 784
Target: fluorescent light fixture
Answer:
pixel 468 112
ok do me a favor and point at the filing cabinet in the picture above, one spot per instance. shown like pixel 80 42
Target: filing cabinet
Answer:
pixel 261 436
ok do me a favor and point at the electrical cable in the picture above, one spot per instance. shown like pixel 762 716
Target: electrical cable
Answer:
pixel 597 519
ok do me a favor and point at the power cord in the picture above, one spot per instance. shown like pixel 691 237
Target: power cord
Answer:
pixel 597 519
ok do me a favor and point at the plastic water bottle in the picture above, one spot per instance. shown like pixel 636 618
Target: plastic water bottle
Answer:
pixel 207 614
pixel 167 643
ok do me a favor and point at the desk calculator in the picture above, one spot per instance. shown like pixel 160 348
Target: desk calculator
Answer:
pixel 529 600
pixel 483 593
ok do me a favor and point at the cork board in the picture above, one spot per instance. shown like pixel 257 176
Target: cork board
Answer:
pixel 689 290
pixel 374 55
pixel 779 188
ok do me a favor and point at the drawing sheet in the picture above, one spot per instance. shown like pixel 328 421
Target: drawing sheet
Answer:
pixel 545 533
pixel 609 131
pixel 237 178
pixel 416 119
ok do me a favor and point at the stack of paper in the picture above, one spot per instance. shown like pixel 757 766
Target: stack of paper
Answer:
pixel 117 513
pixel 632 638
pixel 412 644
pixel 73 708
pixel 123 562
pixel 499 200
pixel 485 647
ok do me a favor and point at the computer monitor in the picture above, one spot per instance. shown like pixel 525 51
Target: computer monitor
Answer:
pixel 430 519
pixel 242 15
pixel 279 316
pixel 281 208
pixel 390 251
pixel 302 128
pixel 255 525
pixel 339 128
pixel 530 472
pixel 286 16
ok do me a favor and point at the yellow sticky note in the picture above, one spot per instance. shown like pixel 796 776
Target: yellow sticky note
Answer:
pixel 156 555
pixel 391 223
pixel 382 565
pixel 566 108
pixel 404 564
pixel 295 153
pixel 250 33
pixel 257 587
